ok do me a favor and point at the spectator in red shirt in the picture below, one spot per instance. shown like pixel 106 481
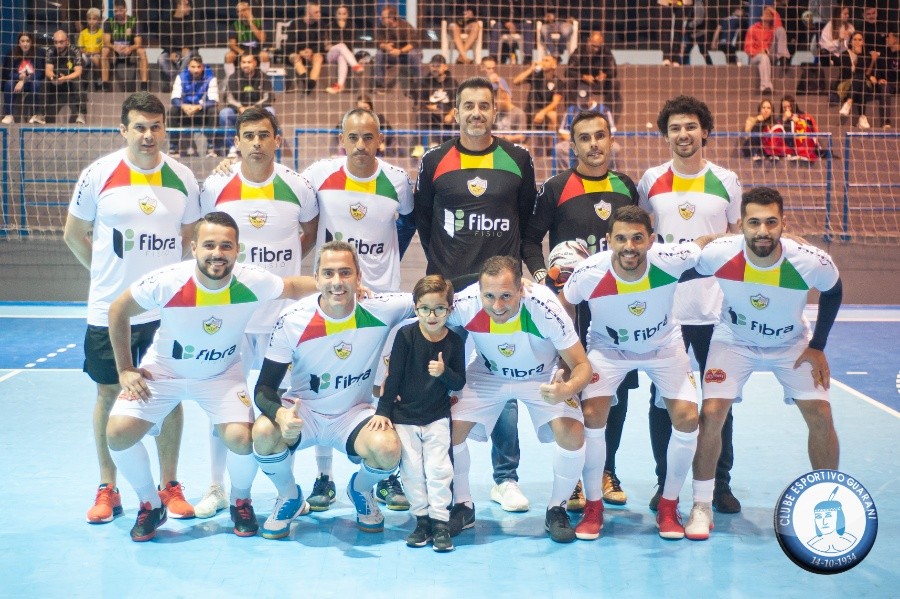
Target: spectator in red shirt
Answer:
pixel 765 38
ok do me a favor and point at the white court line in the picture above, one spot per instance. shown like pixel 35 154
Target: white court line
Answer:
pixel 866 398
pixel 9 375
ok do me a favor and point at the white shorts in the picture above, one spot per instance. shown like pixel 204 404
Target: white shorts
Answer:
pixel 482 399
pixel 224 398
pixel 253 350
pixel 668 367
pixel 330 430
pixel 729 366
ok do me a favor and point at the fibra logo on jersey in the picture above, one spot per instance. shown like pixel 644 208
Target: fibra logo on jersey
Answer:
pixel 363 248
pixel 206 354
pixel 265 256
pixel 321 382
pixel 514 372
pixel 480 224
pixel 128 241
pixel 620 336
pixel 826 521
pixel 760 328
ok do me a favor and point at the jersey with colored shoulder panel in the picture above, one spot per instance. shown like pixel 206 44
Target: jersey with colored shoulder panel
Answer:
pixel 472 205
pixel 573 206
pixel 764 306
pixel 137 217
pixel 523 348
pixel 334 361
pixel 201 329
pixel 363 212
pixel 685 207
pixel 631 315
pixel 268 215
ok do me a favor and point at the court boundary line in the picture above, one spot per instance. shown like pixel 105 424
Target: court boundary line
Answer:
pixel 13 373
pixel 866 398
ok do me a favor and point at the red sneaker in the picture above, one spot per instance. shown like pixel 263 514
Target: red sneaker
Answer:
pixel 107 505
pixel 173 499
pixel 592 522
pixel 358 68
pixel 668 520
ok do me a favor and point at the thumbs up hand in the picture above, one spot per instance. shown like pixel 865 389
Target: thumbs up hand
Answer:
pixel 289 422
pixel 436 367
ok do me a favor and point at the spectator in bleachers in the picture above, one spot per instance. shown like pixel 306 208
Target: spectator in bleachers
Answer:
pixel 437 98
pixel 593 65
pixel 885 78
pixel 757 146
pixel 488 68
pixel 247 87
pixel 673 18
pixel 853 86
pixel 195 94
pixel 341 40
pixel 306 44
pixel 547 91
pixel 766 44
pixel 246 36
pixel 23 70
pixel 835 36
pixel 874 31
pixel 510 42
pixel 90 42
pixel 62 71
pixel 555 34
pixel 510 121
pixel 72 12
pixel 696 31
pixel 794 120
pixel 123 43
pixel 178 39
pixel 398 44
pixel 727 36
pixel 465 33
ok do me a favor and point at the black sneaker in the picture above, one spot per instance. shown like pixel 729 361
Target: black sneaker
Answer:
pixel 323 494
pixel 724 500
pixel 440 540
pixel 422 534
pixel 149 519
pixel 654 501
pixel 557 524
pixel 390 492
pixel 462 517
pixel 244 518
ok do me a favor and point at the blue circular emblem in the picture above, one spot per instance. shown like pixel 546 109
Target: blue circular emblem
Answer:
pixel 826 521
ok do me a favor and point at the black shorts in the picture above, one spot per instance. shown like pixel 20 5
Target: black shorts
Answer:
pixel 99 359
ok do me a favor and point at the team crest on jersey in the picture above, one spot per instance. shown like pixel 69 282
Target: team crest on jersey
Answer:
pixel 637 308
pixel 603 209
pixel 147 204
pixel 343 350
pixel 687 210
pixel 244 399
pixel 572 403
pixel 358 211
pixel 258 219
pixel 507 349
pixel 212 325
pixel 477 186
pixel 759 301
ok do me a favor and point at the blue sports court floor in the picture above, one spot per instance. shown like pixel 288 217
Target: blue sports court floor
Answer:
pixel 49 475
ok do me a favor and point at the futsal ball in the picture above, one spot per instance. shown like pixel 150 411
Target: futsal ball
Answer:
pixel 563 259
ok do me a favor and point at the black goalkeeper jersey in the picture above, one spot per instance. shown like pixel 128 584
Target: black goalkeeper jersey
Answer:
pixel 470 206
pixel 572 206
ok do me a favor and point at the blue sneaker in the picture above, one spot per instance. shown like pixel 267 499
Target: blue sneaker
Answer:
pixel 278 524
pixel 368 516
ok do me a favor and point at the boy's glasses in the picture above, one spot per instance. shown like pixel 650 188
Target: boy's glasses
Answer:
pixel 437 311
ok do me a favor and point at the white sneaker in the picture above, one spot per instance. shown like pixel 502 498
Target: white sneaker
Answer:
pixel 80 120
pixel 845 109
pixel 8 119
pixel 700 522
pixel 214 501
pixel 509 496
pixel 278 524
pixel 863 122
pixel 38 119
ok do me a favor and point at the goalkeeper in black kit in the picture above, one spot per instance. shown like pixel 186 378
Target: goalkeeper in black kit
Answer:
pixel 574 207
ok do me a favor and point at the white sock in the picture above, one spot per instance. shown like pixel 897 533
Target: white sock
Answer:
pixel 324 457
pixel 567 468
pixel 462 462
pixel 703 490
pixel 279 469
pixel 134 464
pixel 594 460
pixel 682 447
pixel 241 471
pixel 217 455
pixel 368 476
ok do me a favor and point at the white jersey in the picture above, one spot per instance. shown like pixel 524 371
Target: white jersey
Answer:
pixel 201 329
pixel 137 218
pixel 685 207
pixel 268 215
pixel 333 362
pixel 631 315
pixel 764 306
pixel 523 348
pixel 363 212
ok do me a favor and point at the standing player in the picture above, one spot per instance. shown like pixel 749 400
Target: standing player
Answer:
pixel 689 197
pixel 765 280
pixel 630 290
pixel 473 198
pixel 519 336
pixel 277 229
pixel 577 205
pixel 368 203
pixel 331 342
pixel 204 306
pixel 132 212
